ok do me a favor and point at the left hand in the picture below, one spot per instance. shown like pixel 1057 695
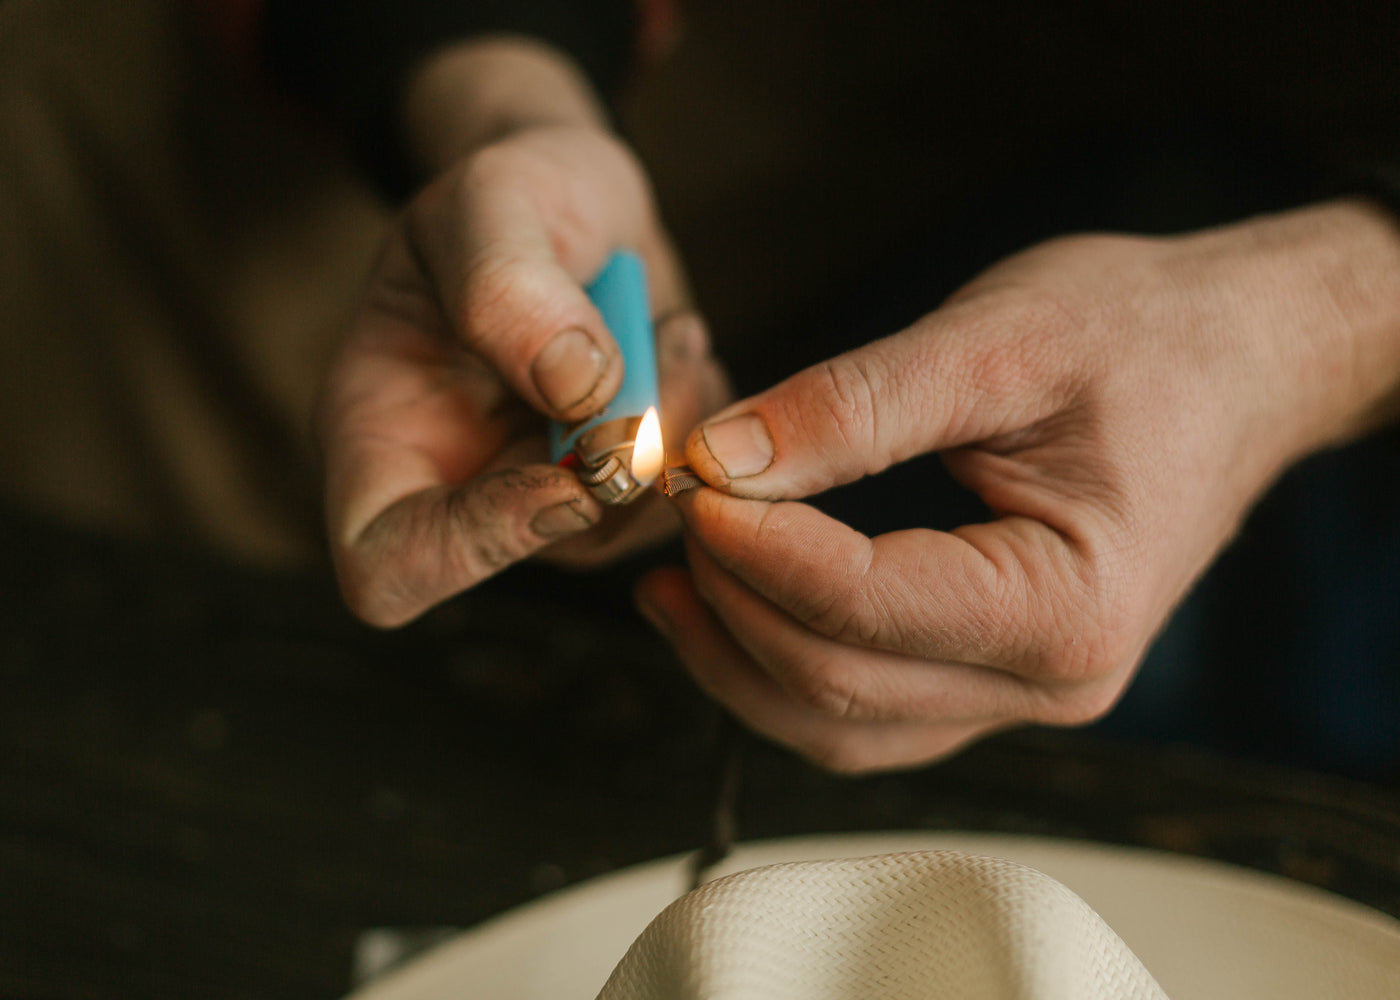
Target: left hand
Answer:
pixel 474 329
pixel 1118 403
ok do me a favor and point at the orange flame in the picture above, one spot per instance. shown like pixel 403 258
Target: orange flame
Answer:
pixel 648 455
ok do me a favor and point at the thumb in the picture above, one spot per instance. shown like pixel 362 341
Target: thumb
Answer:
pixel 505 242
pixel 944 382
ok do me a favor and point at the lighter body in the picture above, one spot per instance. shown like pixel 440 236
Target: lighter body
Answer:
pixel 604 448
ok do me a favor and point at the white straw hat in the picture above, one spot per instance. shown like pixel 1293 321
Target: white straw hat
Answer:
pixel 1201 929
pixel 910 926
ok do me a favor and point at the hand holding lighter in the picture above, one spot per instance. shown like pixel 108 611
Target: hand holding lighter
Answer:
pixel 618 452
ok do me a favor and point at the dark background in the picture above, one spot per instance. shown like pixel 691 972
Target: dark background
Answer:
pixel 212 779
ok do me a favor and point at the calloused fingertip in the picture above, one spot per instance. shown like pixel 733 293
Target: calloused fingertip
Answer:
pixel 701 461
pixel 741 445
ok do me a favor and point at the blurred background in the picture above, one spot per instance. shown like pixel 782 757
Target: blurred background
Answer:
pixel 212 779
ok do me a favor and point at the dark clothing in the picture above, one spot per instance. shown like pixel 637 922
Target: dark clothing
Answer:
pixel 351 57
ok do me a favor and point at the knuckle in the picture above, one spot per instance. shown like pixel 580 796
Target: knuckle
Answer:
pixel 483 535
pixel 495 286
pixel 492 281
pixel 1081 625
pixel 1100 642
pixel 826 685
pixel 1019 350
pixel 836 611
pixel 1052 311
pixel 374 576
pixel 848 389
pixel 420 553
pixel 467 541
pixel 1109 625
pixel 844 617
pixel 1010 368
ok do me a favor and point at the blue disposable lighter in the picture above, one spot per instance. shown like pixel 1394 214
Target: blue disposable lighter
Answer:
pixel 618 453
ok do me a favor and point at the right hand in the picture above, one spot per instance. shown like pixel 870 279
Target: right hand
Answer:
pixel 1118 404
pixel 475 330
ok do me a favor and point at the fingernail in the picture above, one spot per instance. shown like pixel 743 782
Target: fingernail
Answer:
pixel 740 445
pixel 682 338
pixel 568 369
pixel 560 520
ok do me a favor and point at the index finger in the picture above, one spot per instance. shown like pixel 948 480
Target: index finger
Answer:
pixel 1012 594
pixel 726 672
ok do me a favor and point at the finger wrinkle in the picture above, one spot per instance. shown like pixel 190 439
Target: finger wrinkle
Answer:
pixel 401 596
pixel 377 579
pixel 860 624
pixel 828 614
pixel 866 588
pixel 847 393
pixel 822 682
pixel 877 622
pixel 471 550
pixel 765 530
pixel 874 393
pixel 481 532
pixel 968 622
pixel 1049 598
pixel 494 284
pixel 851 614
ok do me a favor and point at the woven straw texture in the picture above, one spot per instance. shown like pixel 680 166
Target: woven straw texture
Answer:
pixel 924 925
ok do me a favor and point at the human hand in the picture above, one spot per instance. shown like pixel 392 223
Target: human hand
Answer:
pixel 474 330
pixel 1118 404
